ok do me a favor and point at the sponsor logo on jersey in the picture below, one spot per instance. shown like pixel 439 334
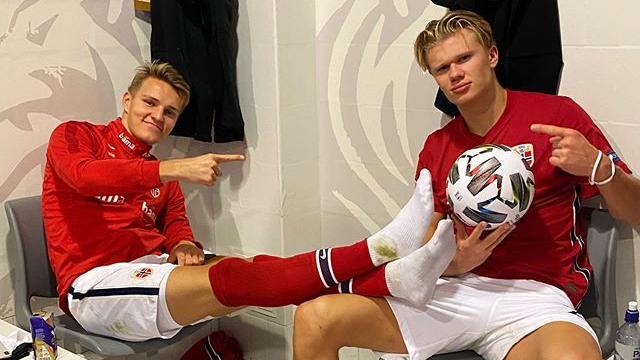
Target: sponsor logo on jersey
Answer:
pixel 148 210
pixel 125 140
pixel 526 151
pixel 155 192
pixel 142 273
pixel 111 199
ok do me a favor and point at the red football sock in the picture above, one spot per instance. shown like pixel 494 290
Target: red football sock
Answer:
pixel 373 283
pixel 265 257
pixel 278 282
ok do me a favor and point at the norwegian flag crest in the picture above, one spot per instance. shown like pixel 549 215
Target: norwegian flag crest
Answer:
pixel 526 151
pixel 142 273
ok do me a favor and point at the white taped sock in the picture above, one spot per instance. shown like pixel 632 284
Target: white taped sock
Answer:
pixel 404 234
pixel 414 277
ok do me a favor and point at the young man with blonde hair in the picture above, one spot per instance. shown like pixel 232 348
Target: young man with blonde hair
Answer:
pixel 510 293
pixel 126 261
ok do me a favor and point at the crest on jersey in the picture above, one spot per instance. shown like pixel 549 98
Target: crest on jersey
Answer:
pixel 142 273
pixel 526 151
pixel 155 192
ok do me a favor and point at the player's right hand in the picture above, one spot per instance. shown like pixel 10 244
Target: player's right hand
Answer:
pixel 473 249
pixel 203 169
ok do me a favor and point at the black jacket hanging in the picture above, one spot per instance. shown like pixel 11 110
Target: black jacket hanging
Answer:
pixel 198 38
pixel 527 34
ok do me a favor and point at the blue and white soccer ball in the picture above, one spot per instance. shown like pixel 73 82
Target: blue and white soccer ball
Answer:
pixel 490 183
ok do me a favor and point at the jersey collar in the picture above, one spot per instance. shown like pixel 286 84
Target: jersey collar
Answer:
pixel 126 141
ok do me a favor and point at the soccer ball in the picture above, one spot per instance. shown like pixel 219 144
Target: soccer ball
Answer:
pixel 490 183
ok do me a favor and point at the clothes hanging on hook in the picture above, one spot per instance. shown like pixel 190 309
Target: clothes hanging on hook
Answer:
pixel 198 38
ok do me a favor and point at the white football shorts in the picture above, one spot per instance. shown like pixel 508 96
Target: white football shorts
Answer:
pixel 486 315
pixel 125 300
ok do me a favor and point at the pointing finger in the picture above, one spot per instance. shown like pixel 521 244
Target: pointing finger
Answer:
pixel 220 158
pixel 550 130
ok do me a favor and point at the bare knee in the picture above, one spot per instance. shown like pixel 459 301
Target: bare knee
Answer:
pixel 314 325
pixel 557 340
pixel 313 318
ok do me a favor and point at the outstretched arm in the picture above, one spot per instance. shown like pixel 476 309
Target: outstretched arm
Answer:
pixel 74 155
pixel 203 169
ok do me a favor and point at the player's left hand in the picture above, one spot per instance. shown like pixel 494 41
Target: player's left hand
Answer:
pixel 572 152
pixel 186 253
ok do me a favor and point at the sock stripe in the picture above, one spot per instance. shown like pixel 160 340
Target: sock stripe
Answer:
pixel 346 287
pixel 333 275
pixel 323 263
pixel 319 269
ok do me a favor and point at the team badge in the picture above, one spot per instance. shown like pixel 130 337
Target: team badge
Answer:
pixel 155 192
pixel 142 273
pixel 526 151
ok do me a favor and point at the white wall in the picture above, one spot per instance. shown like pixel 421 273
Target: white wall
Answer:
pixel 601 54
pixel 375 108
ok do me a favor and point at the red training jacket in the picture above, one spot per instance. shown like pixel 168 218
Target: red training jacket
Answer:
pixel 103 202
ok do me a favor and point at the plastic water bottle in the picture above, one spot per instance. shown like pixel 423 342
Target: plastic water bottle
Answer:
pixel 628 336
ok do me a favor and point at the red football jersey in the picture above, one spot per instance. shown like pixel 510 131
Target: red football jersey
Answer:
pixel 549 242
pixel 103 202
